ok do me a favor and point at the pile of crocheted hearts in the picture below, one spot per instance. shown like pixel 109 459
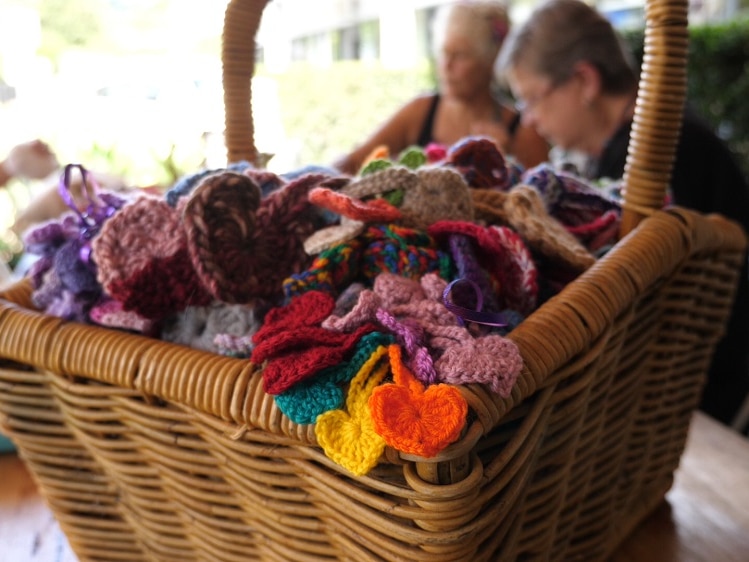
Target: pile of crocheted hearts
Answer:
pixel 394 194
pixel 223 241
pixel 63 276
pixel 364 301
pixel 326 362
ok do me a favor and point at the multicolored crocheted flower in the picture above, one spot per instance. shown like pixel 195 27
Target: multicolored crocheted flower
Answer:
pixel 406 251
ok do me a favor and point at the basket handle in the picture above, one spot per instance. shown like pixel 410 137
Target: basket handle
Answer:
pixel 241 22
pixel 655 129
pixel 658 111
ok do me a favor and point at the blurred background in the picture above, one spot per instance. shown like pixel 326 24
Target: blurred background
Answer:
pixel 133 87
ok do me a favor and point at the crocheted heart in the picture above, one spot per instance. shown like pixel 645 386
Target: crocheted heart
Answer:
pixel 326 238
pixel 567 197
pixel 142 259
pixel 295 357
pixel 219 221
pixel 479 162
pixel 412 157
pixel 395 289
pixel 285 220
pixel 435 152
pixel 544 233
pixel 198 327
pixel 520 277
pixel 308 309
pixel 419 423
pixel 353 443
pixel 429 194
pixel 373 210
pixel 305 401
pixel 111 313
pixel 440 193
pixel 492 360
pixel 489 206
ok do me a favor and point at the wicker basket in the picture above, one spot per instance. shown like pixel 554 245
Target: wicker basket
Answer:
pixel 147 450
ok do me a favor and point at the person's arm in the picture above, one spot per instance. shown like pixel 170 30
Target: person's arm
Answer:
pixel 5 175
pixel 514 139
pixel 528 147
pixel 32 160
pixel 397 133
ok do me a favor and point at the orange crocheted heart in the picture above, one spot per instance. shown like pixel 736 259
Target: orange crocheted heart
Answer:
pixel 416 421
pixel 374 210
pixel 350 442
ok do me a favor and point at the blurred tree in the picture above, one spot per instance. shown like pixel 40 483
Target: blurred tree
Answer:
pixel 70 24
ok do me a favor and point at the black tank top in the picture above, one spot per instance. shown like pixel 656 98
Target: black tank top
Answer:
pixel 425 135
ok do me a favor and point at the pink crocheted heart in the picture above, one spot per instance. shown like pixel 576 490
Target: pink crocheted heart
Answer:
pixel 142 260
pixel 145 230
pixel 492 360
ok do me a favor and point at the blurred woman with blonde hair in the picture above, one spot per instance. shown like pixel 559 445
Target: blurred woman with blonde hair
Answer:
pixel 469 34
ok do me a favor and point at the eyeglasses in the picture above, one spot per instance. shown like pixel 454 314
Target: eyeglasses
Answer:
pixel 529 104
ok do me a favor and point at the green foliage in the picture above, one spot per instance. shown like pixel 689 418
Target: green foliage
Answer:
pixel 717 79
pixel 329 110
pixel 69 24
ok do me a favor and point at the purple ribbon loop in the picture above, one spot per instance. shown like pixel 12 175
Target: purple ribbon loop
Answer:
pixel 466 314
pixel 97 211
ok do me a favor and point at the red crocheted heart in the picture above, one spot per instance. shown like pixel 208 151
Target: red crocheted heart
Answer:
pixel 308 309
pixel 292 360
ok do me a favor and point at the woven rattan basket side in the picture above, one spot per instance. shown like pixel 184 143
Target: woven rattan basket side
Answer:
pixel 147 450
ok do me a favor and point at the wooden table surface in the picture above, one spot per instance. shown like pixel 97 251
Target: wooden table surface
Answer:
pixel 705 517
pixel 706 514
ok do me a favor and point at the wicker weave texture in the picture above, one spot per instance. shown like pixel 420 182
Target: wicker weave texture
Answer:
pixel 150 451
pixel 147 450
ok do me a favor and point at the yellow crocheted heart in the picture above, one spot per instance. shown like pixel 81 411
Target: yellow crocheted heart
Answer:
pixel 348 437
pixel 350 442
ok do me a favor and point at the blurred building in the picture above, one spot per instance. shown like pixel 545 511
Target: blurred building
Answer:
pixel 398 32
pixel 393 32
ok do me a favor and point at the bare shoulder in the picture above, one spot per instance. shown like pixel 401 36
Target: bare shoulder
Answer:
pixel 424 100
pixel 407 122
pixel 418 107
pixel 396 133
